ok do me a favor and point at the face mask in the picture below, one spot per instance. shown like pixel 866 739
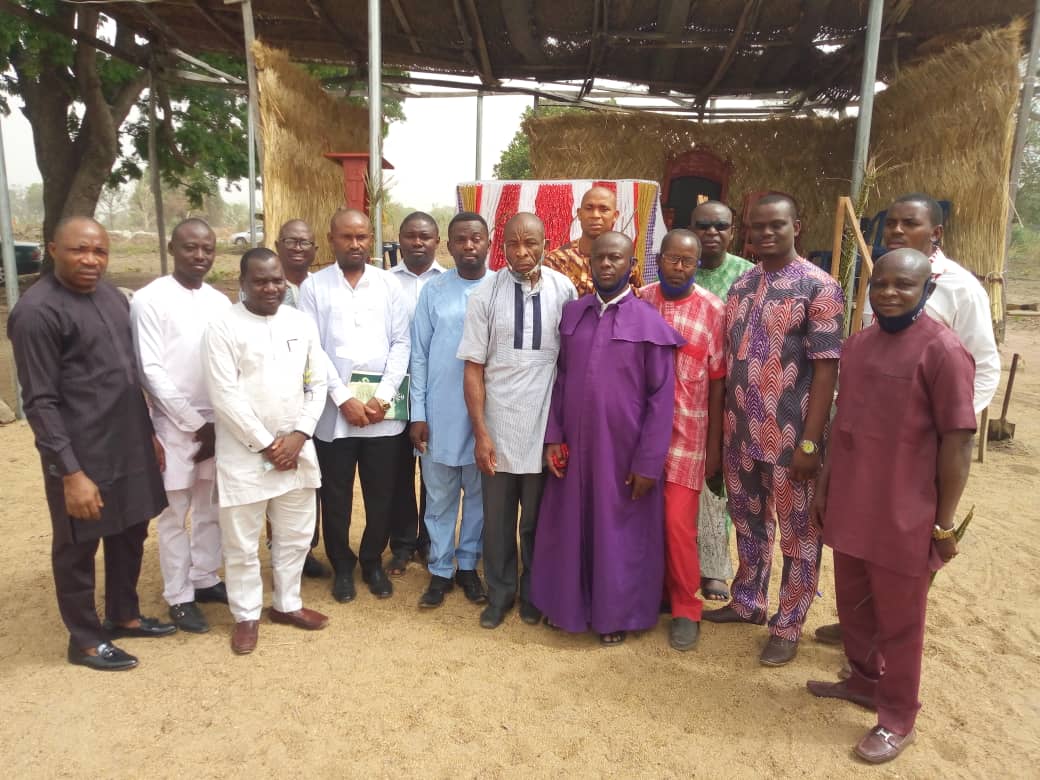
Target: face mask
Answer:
pixel 519 277
pixel 605 292
pixel 671 291
pixel 905 320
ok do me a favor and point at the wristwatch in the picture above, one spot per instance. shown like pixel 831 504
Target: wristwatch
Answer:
pixel 384 405
pixel 939 533
pixel 808 447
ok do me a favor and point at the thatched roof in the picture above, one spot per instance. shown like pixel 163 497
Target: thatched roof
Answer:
pixel 697 48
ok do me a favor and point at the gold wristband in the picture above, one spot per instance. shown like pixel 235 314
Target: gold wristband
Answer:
pixel 939 533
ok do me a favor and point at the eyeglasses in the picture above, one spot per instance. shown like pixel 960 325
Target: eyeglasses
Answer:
pixel 719 226
pixel 297 243
pixel 677 260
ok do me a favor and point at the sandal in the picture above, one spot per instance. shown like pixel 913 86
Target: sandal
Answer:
pixel 714 592
pixel 613 638
pixel 397 566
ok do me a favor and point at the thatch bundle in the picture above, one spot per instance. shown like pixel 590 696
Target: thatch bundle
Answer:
pixel 945 127
pixel 300 122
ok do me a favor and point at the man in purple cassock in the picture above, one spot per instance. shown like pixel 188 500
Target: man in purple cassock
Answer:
pixel 599 552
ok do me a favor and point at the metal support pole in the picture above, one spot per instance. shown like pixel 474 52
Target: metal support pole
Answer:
pixel 252 119
pixel 375 126
pixel 10 266
pixel 1021 134
pixel 480 135
pixel 866 96
pixel 155 179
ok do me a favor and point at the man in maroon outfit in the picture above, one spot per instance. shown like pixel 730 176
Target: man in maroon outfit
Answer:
pixel 900 450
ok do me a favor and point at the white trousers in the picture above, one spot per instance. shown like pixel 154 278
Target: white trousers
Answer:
pixel 292 517
pixel 189 561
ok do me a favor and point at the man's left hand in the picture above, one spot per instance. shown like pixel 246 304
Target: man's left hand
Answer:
pixel 160 453
pixel 947 549
pixel 712 463
pixel 640 485
pixel 284 450
pixel 374 410
pixel 804 467
pixel 206 436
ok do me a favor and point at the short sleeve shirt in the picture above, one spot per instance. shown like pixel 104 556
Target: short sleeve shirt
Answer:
pixel 719 280
pixel 699 318
pixel 777 323
pixel 900 393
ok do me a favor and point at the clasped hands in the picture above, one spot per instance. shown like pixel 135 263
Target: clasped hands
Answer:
pixel 558 455
pixel 359 415
pixel 284 450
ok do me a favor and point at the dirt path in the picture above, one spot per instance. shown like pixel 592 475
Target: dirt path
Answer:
pixel 389 691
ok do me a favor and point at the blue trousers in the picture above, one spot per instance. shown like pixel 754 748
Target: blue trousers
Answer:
pixel 444 487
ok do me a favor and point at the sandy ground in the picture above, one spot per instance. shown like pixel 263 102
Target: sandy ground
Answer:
pixel 387 690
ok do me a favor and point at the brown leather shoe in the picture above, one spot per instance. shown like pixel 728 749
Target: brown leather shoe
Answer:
pixel 829 634
pixel 881 745
pixel 778 651
pixel 244 636
pixel 730 615
pixel 304 618
pixel 840 690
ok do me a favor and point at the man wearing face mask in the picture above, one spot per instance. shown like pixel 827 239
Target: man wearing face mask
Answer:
pixel 510 341
pixel 695 452
pixel 599 553
pixel 905 420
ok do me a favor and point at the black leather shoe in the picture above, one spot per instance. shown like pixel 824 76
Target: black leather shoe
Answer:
pixel 314 568
pixel 471 585
pixel 530 614
pixel 109 658
pixel 492 616
pixel 188 617
pixel 435 592
pixel 216 594
pixel 150 627
pixel 343 589
pixel 378 583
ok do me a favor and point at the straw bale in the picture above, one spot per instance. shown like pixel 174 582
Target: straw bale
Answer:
pixel 948 123
pixel 945 128
pixel 807 158
pixel 300 122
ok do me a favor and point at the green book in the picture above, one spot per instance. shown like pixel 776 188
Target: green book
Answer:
pixel 363 385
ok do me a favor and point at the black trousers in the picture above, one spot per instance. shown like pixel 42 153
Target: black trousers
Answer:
pixel 408 531
pixel 74 583
pixel 375 459
pixel 503 495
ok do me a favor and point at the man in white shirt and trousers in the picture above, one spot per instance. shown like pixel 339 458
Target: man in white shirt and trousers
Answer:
pixel 169 317
pixel 363 322
pixel 265 371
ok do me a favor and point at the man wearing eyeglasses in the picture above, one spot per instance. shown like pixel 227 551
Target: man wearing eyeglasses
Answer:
pixel 695 451
pixel 712 223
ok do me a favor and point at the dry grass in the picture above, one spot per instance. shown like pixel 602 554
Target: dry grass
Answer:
pixel 300 123
pixel 945 127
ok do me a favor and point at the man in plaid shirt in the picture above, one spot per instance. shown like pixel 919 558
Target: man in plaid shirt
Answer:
pixel 696 448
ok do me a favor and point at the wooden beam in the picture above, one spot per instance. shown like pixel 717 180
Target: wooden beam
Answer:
pixel 405 26
pixel 517 15
pixel 487 74
pixel 779 62
pixel 38 19
pixel 597 44
pixel 672 16
pixel 233 38
pixel 162 28
pixel 748 18
pixel 321 12
pixel 854 53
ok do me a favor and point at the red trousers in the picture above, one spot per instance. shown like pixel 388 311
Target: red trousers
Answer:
pixel 682 561
pixel 882 624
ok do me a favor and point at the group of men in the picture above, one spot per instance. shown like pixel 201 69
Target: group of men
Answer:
pixel 567 419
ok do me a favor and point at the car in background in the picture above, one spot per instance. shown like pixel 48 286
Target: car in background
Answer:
pixel 242 239
pixel 28 259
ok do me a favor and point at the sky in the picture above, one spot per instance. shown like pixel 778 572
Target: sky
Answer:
pixel 431 151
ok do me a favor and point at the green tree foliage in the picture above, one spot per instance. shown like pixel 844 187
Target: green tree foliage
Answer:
pixel 515 162
pixel 80 102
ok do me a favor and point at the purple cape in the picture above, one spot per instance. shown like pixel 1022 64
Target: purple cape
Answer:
pixel 599 555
